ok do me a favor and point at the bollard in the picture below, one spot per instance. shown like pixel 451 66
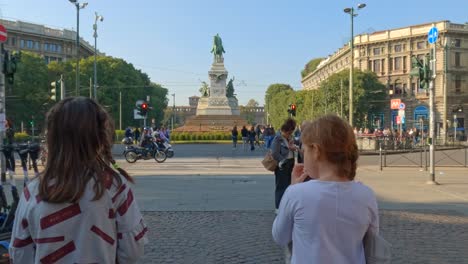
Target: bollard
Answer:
pixel 425 154
pixel 421 154
pixel 466 154
pixel 385 157
pixel 380 155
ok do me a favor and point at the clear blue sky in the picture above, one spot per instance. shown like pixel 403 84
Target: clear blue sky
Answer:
pixel 265 41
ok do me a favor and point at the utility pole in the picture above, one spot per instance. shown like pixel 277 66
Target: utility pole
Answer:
pixel 90 88
pixel 173 112
pixel 62 88
pixel 120 110
pixel 2 113
pixel 432 37
pixel 341 97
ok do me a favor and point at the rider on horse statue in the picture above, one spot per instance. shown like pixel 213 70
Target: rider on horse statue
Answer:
pixel 217 49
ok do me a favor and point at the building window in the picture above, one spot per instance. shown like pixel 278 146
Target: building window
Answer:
pixel 46 58
pixel 22 43
pixel 29 44
pixel 457 59
pixel 397 63
pixel 404 63
pixel 377 66
pixel 36 45
pixel 457 43
pixel 398 48
pixel 383 66
pixel 13 41
pixel 421 45
pixel 59 48
pixel 413 88
pixel 46 46
pixel 376 51
pixel 458 84
pixel 390 66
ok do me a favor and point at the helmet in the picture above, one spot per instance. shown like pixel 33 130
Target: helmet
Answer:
pixel 127 141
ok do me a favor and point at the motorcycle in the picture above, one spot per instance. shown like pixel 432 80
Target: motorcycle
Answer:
pixel 164 146
pixel 134 153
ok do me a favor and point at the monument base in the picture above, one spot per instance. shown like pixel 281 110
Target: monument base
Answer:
pixel 212 123
pixel 217 106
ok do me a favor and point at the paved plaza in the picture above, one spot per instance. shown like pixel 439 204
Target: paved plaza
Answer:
pixel 217 207
pixel 210 204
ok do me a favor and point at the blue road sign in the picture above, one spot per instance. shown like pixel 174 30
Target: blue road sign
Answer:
pixel 432 35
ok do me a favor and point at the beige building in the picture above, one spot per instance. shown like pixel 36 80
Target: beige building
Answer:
pixel 388 53
pixel 52 44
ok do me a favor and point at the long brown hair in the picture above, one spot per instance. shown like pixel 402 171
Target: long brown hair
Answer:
pixel 336 142
pixel 79 141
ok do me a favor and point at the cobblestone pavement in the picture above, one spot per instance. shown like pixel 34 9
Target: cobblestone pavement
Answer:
pixel 417 236
pixel 211 237
pixel 426 237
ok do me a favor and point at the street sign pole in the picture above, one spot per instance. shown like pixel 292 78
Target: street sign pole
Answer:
pixel 432 38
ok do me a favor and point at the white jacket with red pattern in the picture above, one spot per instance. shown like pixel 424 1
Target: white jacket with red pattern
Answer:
pixel 109 230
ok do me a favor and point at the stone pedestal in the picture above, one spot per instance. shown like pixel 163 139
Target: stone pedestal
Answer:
pixel 216 103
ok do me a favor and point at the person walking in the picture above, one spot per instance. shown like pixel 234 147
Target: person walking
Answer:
pixel 282 150
pixel 252 136
pixel 234 135
pixel 137 134
pixel 326 219
pixel 81 208
pixel 245 137
pixel 8 151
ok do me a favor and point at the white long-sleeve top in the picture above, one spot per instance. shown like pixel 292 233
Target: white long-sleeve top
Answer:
pixel 326 221
pixel 109 230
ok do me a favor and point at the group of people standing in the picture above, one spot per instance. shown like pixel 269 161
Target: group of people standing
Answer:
pixel 255 136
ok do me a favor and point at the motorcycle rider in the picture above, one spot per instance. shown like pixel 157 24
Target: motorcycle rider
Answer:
pixel 147 141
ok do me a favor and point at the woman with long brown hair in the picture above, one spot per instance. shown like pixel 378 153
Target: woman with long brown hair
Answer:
pixel 326 219
pixel 80 209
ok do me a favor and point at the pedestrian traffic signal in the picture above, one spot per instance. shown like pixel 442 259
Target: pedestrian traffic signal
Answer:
pixel 53 91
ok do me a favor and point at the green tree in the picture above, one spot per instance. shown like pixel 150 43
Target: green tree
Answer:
pixel 252 103
pixel 27 99
pixel 115 76
pixel 368 95
pixel 310 66
pixel 279 106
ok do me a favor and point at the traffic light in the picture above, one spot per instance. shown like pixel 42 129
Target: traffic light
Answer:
pixel 292 109
pixel 422 71
pixel 142 107
pixel 53 91
pixel 10 65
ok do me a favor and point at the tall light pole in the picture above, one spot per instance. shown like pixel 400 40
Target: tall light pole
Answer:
pixel 78 7
pixel 173 113
pixel 350 10
pixel 96 18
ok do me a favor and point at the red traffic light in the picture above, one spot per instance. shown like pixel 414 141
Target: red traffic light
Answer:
pixel 293 107
pixel 144 106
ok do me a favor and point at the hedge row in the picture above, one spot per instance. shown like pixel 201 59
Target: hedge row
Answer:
pixel 201 136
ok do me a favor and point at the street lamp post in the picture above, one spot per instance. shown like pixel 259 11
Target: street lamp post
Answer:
pixel 78 7
pixel 96 18
pixel 173 113
pixel 447 46
pixel 350 10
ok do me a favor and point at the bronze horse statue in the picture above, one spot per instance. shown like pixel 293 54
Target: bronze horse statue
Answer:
pixel 218 48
